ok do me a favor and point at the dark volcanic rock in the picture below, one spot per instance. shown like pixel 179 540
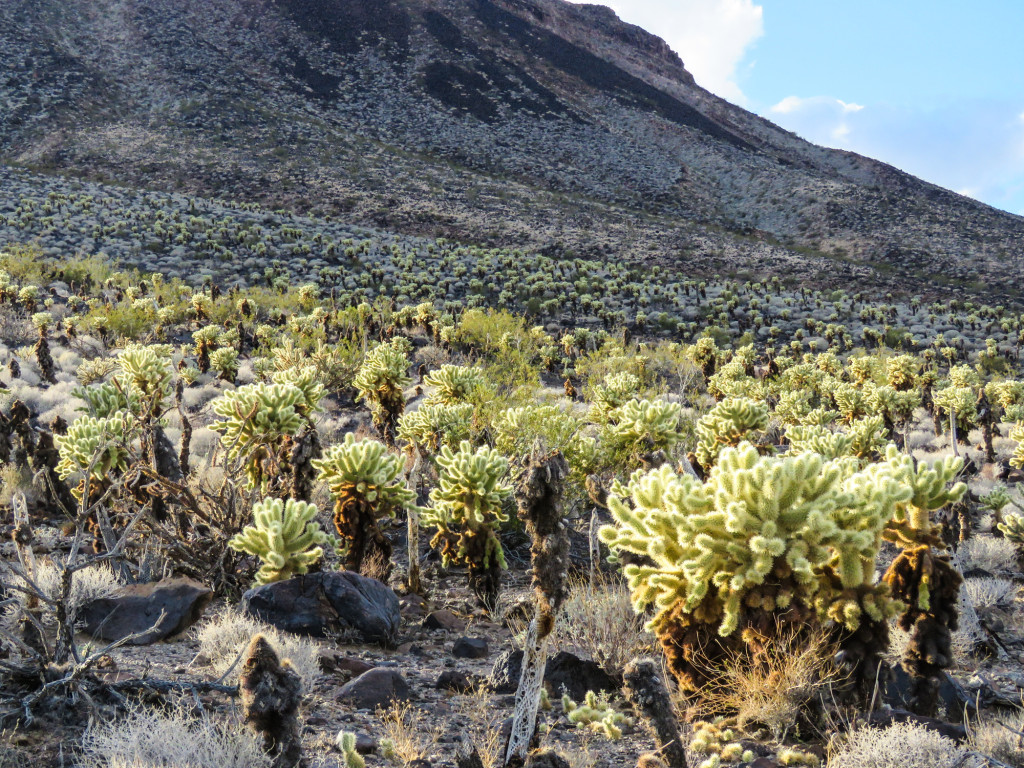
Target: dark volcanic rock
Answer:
pixel 136 609
pixel 470 648
pixel 328 603
pixel 564 673
pixel 377 688
pixel 444 619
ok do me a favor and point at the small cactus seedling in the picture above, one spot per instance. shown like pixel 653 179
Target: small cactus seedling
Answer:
pixel 285 536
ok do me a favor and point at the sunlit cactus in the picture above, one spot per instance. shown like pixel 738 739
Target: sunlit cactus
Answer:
pixel 455 384
pixel 615 391
pixel 366 483
pixel 285 536
pixel 640 428
pixel 380 382
pixel 466 507
pixel 728 424
pixel 434 425
pixel 93 449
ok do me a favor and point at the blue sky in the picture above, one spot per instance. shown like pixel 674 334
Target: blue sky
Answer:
pixel 934 88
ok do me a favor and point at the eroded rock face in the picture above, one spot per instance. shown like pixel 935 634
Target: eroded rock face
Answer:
pixel 136 609
pixel 325 604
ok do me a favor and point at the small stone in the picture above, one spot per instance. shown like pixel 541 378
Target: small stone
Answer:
pixel 455 680
pixel 444 619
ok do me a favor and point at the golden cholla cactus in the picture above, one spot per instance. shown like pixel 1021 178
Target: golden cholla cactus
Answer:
pixel 819 440
pixel 901 372
pixel 851 402
pixel 869 437
pixel 764 538
pixel 1017 433
pixel 93 449
pixel 727 424
pixel 367 485
pixel 285 536
pixel 434 425
pixel 466 507
pixel 258 423
pixel 616 390
pixel 455 384
pixel 642 427
pixel 732 380
pixel 380 382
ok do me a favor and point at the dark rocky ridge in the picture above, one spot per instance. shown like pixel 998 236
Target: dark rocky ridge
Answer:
pixel 523 123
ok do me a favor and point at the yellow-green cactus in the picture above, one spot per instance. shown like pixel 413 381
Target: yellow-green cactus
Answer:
pixel 851 402
pixel 732 380
pixel 727 424
pixel 367 485
pixel 901 372
pixel 285 536
pixel 1012 528
pixel 225 362
pixel 94 448
pixel 434 425
pixel 819 440
pixel 455 384
pixel 597 712
pixel 1017 433
pixel 763 534
pixel 616 390
pixel 257 419
pixel 380 382
pixel 466 505
pixel 868 436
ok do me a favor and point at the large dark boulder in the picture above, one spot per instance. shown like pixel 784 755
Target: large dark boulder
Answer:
pixel 378 688
pixel 328 604
pixel 136 608
pixel 563 673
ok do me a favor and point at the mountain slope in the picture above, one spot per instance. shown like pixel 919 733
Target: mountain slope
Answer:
pixel 529 123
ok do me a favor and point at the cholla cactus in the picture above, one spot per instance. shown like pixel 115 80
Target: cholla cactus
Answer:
pixel 616 391
pixel 467 503
pixel 1017 433
pixel 366 483
pixel 895 406
pixel 851 402
pixel 642 430
pixel 901 372
pixel 285 536
pixel 597 712
pixel 455 384
pixel 94 449
pixel 869 438
pixel 765 538
pixel 380 382
pixel 432 426
pixel 259 423
pixel 922 576
pixel 225 362
pixel 206 340
pixel 728 424
pixel 346 743
pixel 1012 527
pixel 819 440
pixel 43 321
pixel 961 401
pixel 705 354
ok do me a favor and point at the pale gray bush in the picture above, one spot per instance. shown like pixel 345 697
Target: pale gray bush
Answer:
pixel 904 745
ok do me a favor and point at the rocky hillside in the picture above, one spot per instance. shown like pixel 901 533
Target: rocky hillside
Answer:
pixel 525 123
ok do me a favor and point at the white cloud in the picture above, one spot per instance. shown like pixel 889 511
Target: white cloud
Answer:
pixel 711 36
pixel 973 147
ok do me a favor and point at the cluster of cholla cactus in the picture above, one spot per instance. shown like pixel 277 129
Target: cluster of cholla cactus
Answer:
pixel 260 425
pixel 729 423
pixel 435 425
pixel 285 536
pixel 642 431
pixel 615 391
pixel 455 384
pixel 597 713
pixel 380 382
pixel 93 450
pixel 367 485
pixel 765 543
pixel 467 505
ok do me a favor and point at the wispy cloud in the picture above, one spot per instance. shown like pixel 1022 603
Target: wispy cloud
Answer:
pixel 712 36
pixel 976 148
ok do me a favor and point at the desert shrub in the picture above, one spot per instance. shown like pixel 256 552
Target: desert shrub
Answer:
pixel 229 632
pixel 158 739
pixel 999 738
pixel 905 745
pixel 997 556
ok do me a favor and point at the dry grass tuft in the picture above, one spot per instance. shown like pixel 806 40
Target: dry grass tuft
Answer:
pixel 152 739
pixel 227 634
pixel 772 688
pixel 484 731
pixel 598 622
pixel 407 733
pixel 1001 738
